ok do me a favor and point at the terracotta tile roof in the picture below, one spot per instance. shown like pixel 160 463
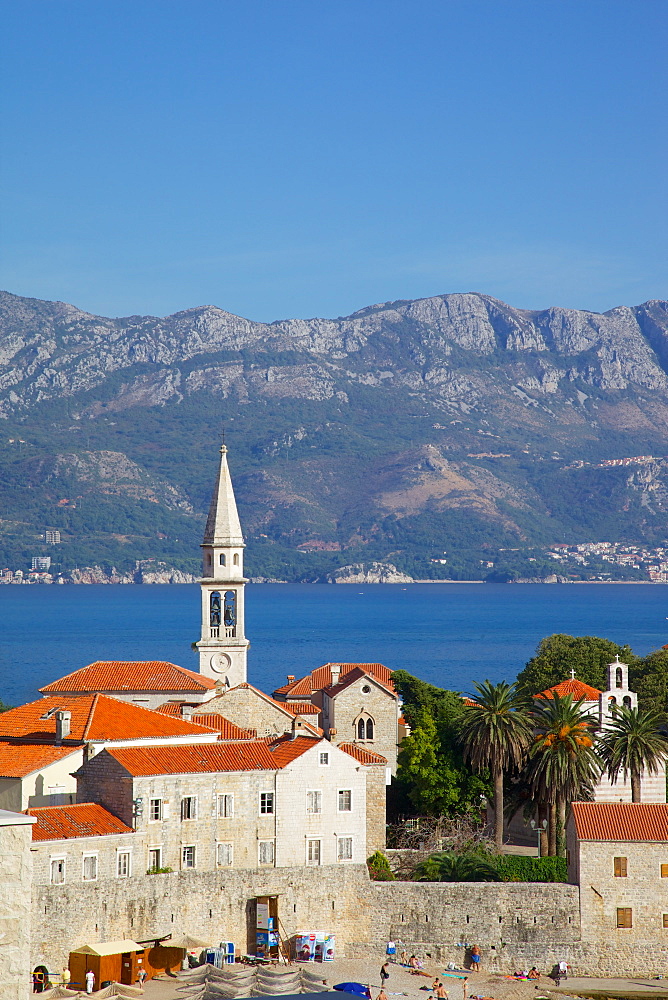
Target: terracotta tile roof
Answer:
pixel 285 707
pixel 299 707
pixel 361 754
pixel 131 675
pixel 19 759
pixel 212 720
pixel 351 677
pixel 321 678
pixel 85 820
pixel 577 689
pixel 255 755
pixel 645 821
pixel 94 717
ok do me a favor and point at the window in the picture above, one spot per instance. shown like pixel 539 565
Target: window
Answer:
pixel 313 802
pixel 313 852
pixel 361 730
pixel 626 701
pixel 620 867
pixel 188 857
pixel 369 729
pixel 215 614
pixel 324 759
pixel 345 849
pixel 90 867
pixel 236 558
pixel 57 871
pixel 624 916
pixel 665 920
pixel 123 864
pixel 226 806
pixel 230 613
pixel 224 855
pixel 155 810
pixel 366 689
pixel 364 727
pixel 345 800
pixel 189 807
pixel 155 857
pixel 664 871
pixel 266 852
pixel 221 558
pixel 266 803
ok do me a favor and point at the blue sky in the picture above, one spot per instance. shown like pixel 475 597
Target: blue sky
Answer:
pixel 305 157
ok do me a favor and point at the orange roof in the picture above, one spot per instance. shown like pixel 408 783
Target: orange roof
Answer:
pixel 362 755
pixel 321 678
pixel 299 707
pixel 212 720
pixel 94 717
pixel 644 821
pixel 19 759
pixel 85 820
pixel 577 689
pixel 254 755
pixel 131 675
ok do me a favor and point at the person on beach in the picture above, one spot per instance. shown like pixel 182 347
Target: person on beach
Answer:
pixel 475 959
pixel 404 957
pixel 382 995
pixel 533 973
pixel 384 973
pixel 441 992
pixel 413 963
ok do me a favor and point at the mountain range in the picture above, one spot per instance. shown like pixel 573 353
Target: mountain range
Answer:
pixel 454 427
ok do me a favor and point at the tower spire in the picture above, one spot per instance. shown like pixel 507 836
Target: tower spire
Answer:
pixel 223 646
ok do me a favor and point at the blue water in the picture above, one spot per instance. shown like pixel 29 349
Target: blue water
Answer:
pixel 449 634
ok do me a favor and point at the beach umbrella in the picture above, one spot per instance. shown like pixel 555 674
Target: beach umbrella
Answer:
pixel 358 988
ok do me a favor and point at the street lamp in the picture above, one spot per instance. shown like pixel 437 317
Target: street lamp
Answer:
pixel 540 830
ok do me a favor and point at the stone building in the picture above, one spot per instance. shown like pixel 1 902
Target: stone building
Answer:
pixel 246 706
pixel 618 855
pixel 15 905
pixel 288 802
pixel 80 843
pixel 148 683
pixel 357 703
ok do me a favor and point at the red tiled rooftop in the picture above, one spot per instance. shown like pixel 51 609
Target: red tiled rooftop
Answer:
pixel 255 755
pixel 94 717
pixel 642 821
pixel 321 678
pixel 131 675
pixel 212 720
pixel 577 690
pixel 64 822
pixel 19 759
pixel 361 754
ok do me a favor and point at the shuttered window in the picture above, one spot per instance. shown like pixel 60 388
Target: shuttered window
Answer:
pixel 665 920
pixel 624 916
pixel 620 867
pixel 664 871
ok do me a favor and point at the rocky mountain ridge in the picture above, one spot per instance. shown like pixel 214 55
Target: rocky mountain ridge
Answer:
pixel 391 434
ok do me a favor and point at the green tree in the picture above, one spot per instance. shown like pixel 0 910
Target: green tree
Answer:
pixel 4 707
pixel 379 868
pixel 449 867
pixel 649 678
pixel 633 743
pixel 495 734
pixel 558 654
pixel 562 765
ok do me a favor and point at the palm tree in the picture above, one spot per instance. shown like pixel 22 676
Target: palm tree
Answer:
pixel 563 765
pixel 447 867
pixel 633 743
pixel 495 733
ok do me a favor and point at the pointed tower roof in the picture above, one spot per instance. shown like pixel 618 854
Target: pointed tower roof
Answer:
pixel 222 525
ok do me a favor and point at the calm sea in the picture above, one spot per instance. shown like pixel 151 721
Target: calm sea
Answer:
pixel 449 634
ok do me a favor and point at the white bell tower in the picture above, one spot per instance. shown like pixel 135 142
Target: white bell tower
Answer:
pixel 618 693
pixel 223 646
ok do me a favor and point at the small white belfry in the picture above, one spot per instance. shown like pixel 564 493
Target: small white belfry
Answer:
pixel 617 695
pixel 223 646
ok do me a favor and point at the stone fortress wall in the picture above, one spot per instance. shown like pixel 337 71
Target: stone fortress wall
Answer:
pixel 515 925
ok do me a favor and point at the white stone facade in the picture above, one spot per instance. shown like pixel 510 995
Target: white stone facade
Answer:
pixel 15 905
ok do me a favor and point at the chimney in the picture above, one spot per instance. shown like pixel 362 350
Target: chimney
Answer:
pixel 63 720
pixel 336 672
pixel 331 734
pixel 297 724
pixel 291 678
pixel 187 712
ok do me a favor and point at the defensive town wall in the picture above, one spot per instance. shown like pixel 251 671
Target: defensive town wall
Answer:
pixel 515 925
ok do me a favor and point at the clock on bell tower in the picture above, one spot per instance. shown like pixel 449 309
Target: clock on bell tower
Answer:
pixel 223 646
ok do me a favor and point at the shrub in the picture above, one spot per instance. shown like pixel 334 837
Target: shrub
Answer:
pixel 379 868
pixel 159 871
pixel 515 868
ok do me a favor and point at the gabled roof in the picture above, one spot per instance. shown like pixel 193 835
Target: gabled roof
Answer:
pixel 286 708
pixel 361 754
pixel 254 755
pixel 351 677
pixel 577 689
pixel 212 720
pixel 634 821
pixel 125 676
pixel 222 525
pixel 85 820
pixel 94 717
pixel 321 678
pixel 20 759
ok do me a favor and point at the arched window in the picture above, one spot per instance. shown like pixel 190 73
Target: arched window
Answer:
pixel 612 701
pixel 627 701
pixel 230 614
pixel 215 614
pixel 364 726
pixel 236 559
pixel 361 730
pixel 208 558
pixel 618 677
pixel 369 729
pixel 221 558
